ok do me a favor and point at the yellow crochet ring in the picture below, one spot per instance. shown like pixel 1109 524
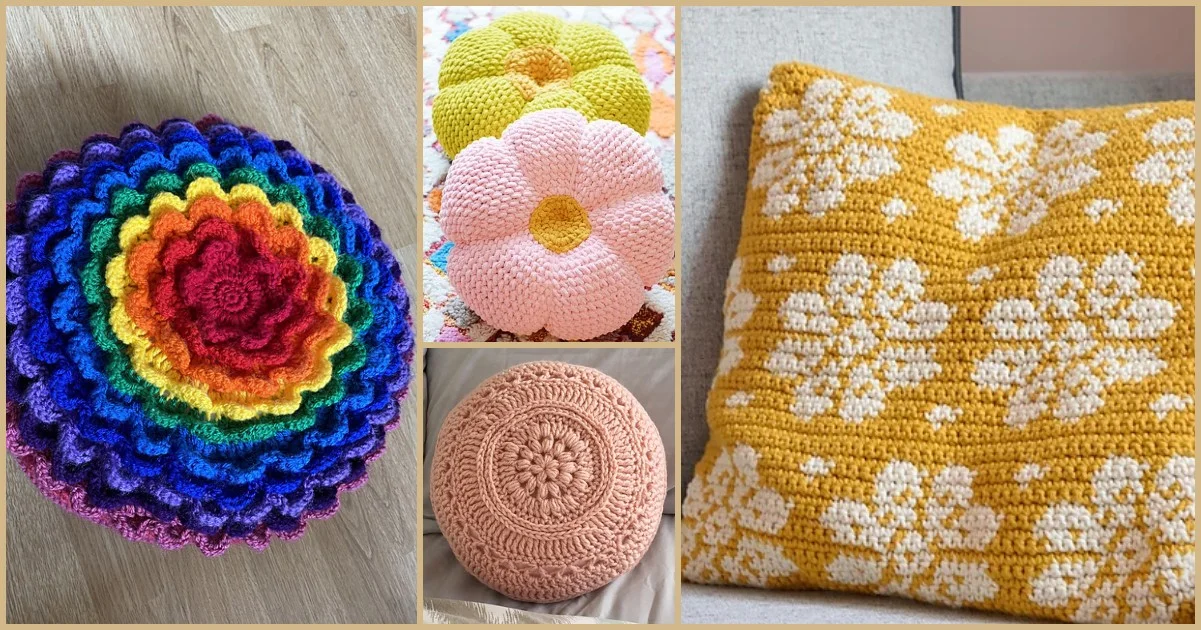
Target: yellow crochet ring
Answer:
pixel 526 62
pixel 163 360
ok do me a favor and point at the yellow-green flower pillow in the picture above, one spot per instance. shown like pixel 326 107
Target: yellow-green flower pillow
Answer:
pixel 526 62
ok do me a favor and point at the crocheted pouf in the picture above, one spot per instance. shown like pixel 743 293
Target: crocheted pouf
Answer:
pixel 548 481
pixel 527 62
pixel 207 338
pixel 559 224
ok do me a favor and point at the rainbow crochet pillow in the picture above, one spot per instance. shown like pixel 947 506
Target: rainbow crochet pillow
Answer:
pixel 527 62
pixel 958 359
pixel 207 338
pixel 559 224
pixel 548 481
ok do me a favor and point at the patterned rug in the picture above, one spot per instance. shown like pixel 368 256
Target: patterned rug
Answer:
pixel 649 33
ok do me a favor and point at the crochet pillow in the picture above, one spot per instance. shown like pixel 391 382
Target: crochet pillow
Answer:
pixel 548 481
pixel 526 62
pixel 207 338
pixel 958 359
pixel 559 224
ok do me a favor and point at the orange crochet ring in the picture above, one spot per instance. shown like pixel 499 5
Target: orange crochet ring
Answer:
pixel 548 481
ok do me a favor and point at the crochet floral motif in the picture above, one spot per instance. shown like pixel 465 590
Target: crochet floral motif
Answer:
pixel 1172 165
pixel 853 345
pixel 908 540
pixel 553 468
pixel 739 306
pixel 548 481
pixel 559 224
pixel 1010 182
pixel 728 497
pixel 1060 352
pixel 1128 556
pixel 207 339
pixel 837 138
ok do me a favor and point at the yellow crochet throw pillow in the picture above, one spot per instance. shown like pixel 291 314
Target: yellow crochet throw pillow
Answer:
pixel 527 62
pixel 958 358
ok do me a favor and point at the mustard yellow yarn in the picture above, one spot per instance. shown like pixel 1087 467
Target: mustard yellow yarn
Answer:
pixel 526 62
pixel 151 363
pixel 958 359
pixel 560 224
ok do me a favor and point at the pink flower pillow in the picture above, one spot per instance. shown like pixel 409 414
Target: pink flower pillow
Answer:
pixel 559 224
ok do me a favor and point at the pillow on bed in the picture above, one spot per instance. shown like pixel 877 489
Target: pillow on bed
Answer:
pixel 958 356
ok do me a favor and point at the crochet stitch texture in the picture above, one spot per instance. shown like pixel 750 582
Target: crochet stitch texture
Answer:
pixel 207 338
pixel 528 62
pixel 958 359
pixel 558 224
pixel 548 481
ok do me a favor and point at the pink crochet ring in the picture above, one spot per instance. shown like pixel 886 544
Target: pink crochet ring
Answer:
pixel 559 224
pixel 548 481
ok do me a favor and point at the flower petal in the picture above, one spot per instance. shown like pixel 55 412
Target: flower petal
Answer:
pixel 504 282
pixel 596 291
pixel 616 93
pixel 547 146
pixel 479 52
pixel 456 112
pixel 486 196
pixel 640 230
pixel 615 163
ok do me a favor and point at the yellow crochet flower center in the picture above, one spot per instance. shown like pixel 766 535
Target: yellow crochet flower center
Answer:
pixel 537 68
pixel 560 224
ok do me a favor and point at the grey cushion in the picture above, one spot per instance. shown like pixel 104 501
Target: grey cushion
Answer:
pixel 727 55
pixel 1053 90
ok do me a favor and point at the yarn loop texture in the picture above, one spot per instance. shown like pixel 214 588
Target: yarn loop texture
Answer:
pixel 207 339
pixel 548 481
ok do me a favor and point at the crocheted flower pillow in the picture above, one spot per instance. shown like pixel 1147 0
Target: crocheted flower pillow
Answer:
pixel 207 338
pixel 526 62
pixel 548 481
pixel 559 224
pixel 958 359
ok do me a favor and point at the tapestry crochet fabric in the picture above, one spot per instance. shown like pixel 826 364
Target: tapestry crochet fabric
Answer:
pixel 558 225
pixel 958 359
pixel 548 481
pixel 207 339
pixel 648 35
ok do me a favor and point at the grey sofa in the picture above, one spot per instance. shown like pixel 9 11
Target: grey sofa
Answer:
pixel 910 47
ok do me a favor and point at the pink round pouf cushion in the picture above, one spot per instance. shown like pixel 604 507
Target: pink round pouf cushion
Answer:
pixel 559 224
pixel 548 481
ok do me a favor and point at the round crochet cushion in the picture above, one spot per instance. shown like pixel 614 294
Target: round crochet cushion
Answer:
pixel 558 224
pixel 527 62
pixel 207 338
pixel 548 481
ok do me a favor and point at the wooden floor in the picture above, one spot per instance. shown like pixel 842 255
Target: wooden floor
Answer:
pixel 341 84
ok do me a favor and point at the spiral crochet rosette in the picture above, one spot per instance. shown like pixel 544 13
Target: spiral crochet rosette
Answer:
pixel 207 337
pixel 548 481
